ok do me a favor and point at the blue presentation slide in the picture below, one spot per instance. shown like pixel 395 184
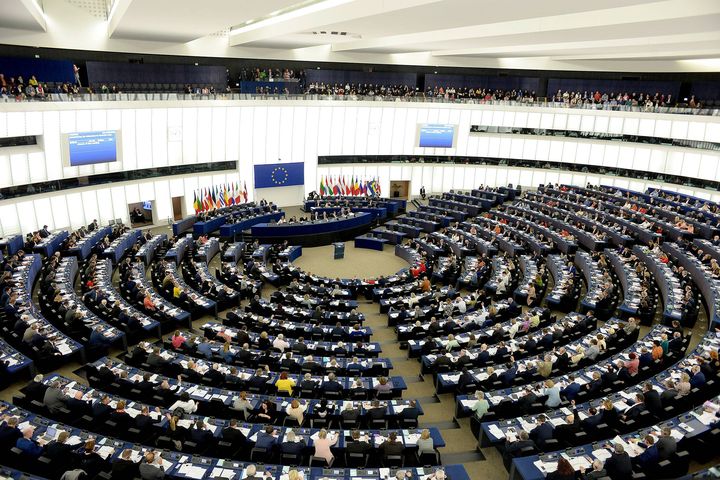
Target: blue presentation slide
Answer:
pixel 86 148
pixel 437 136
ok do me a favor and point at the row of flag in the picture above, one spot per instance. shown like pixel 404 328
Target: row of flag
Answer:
pixel 219 196
pixel 348 185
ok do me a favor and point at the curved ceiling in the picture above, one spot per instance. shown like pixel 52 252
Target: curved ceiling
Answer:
pixel 605 35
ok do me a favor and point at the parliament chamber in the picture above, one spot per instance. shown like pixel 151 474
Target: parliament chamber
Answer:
pixel 344 239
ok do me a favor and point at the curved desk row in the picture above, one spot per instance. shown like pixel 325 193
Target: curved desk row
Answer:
pixel 313 233
pixel 232 229
pixel 51 244
pixel 84 247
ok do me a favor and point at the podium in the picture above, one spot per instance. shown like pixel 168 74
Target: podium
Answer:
pixel 339 250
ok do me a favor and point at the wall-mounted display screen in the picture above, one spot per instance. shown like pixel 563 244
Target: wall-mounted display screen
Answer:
pixel 87 148
pixel 434 135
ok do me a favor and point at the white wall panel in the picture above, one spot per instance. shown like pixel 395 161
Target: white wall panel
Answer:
pixel 323 137
pixel 43 213
pixel 297 149
pixel 386 130
pixel 679 129
pixel 349 130
pixel 588 123
pixel 712 132
pixel 15 124
pixel 646 127
pixel 232 133
pixel 399 130
pixel 336 128
pixel 36 164
pixel 601 124
pixel 6 179
pixel 59 212
pixel 560 121
pixel 106 211
pixel 19 169
pixel 663 128
pixel 616 125
pixel 691 165
pixel 696 131
pixel 574 122
pixel 286 134
pixel 51 145
pixel 204 135
pixel 630 126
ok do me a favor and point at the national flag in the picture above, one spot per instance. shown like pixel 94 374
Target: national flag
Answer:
pixel 336 187
pixel 356 186
pixel 377 187
pixel 196 204
pixel 321 190
pixel 371 187
pixel 209 200
pixel 343 190
pixel 245 192
pixel 226 195
pixel 238 194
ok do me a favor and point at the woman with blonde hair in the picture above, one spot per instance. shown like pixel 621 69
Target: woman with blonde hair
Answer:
pixel 323 444
pixel 425 442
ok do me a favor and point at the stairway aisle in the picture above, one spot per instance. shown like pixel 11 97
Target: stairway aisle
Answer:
pixel 438 410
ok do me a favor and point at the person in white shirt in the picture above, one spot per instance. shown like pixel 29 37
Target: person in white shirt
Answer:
pixel 296 410
pixel 186 403
pixel 461 305
pixel 280 343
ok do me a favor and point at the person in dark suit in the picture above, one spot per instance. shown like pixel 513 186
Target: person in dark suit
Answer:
pixel 513 448
pixel 410 412
pixel 292 445
pixel 89 460
pixel 101 409
pixel 9 432
pixel 59 451
pixel 650 456
pixel 233 435
pixel 201 435
pixel 666 444
pixel 266 438
pixel 652 399
pixel 667 397
pixel 566 432
pixel 358 444
pixel 619 465
pixel 636 409
pixel 392 446
pixel 350 413
pixel 77 406
pixel 120 417
pixel 124 468
pixel 570 392
pixel 542 432
pixel 592 420
pixel 524 402
pixel 331 385
pixel 144 421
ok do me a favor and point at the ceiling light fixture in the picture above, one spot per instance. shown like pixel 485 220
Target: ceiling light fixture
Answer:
pixel 282 16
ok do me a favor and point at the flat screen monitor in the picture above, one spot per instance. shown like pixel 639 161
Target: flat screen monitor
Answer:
pixel 433 135
pixel 88 148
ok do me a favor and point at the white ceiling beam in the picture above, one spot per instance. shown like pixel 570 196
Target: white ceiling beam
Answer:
pixel 34 9
pixel 712 53
pixel 657 11
pixel 314 16
pixel 546 49
pixel 119 8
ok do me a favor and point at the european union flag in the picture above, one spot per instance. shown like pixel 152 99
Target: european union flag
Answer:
pixel 279 175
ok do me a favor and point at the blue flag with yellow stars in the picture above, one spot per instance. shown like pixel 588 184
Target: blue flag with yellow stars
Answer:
pixel 279 175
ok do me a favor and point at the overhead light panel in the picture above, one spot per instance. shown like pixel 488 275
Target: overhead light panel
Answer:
pixel 294 11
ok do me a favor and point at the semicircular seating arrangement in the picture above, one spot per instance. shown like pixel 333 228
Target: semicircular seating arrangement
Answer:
pixel 555 324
